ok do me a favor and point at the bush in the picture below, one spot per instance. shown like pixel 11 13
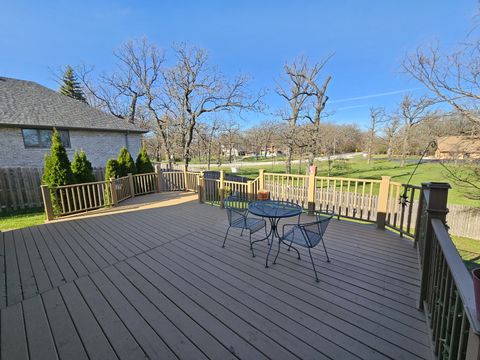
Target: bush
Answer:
pixel 143 163
pixel 125 163
pixel 111 170
pixel 57 170
pixel 82 168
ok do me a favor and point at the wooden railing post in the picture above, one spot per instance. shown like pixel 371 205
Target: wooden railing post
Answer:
pixel 132 185
pixel 250 195
pixel 201 187
pixel 311 192
pixel 185 178
pixel 222 188
pixel 436 195
pixel 113 192
pixel 261 181
pixel 382 203
pixel 158 174
pixel 47 202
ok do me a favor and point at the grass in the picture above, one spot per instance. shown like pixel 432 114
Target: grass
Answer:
pixel 21 219
pixel 380 166
pixel 469 250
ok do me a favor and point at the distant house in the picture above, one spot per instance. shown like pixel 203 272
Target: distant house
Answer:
pixel 458 148
pixel 29 112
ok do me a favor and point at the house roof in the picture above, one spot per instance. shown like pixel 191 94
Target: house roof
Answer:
pixel 458 144
pixel 25 103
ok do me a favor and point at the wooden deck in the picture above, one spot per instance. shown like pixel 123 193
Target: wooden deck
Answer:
pixel 152 281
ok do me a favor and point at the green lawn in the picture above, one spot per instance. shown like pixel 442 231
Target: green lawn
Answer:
pixel 358 168
pixel 22 219
pixel 469 250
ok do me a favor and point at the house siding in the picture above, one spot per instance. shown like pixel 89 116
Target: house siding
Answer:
pixel 98 145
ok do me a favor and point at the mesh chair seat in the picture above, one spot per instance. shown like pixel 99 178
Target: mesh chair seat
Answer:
pixel 237 214
pixel 251 224
pixel 295 236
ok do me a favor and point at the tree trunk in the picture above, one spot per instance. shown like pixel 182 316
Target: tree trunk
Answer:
pixel 289 159
pixel 209 156
pixel 406 136
pixel 370 149
pixel 390 148
pixel 168 152
pixel 133 107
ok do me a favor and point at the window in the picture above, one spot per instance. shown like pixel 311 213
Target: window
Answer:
pixel 42 138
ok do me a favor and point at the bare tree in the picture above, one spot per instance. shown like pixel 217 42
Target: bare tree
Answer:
pixel 231 135
pixel 208 134
pixel 253 139
pixel 453 78
pixel 120 92
pixel 318 93
pixel 295 90
pixel 377 116
pixel 390 131
pixel 268 131
pixel 412 112
pixel 192 88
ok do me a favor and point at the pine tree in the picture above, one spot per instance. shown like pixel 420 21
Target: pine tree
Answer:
pixel 56 170
pixel 111 172
pixel 70 85
pixel 82 168
pixel 125 163
pixel 143 163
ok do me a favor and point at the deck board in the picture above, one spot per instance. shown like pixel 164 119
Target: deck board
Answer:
pixel 311 302
pixel 67 340
pixel 40 340
pixel 154 282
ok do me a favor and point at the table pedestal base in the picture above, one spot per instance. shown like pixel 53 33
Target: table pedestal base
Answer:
pixel 272 234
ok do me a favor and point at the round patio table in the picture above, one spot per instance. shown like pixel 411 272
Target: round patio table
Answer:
pixel 274 211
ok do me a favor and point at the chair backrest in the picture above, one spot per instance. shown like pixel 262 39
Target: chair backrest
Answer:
pixel 315 230
pixel 236 208
pixel 323 219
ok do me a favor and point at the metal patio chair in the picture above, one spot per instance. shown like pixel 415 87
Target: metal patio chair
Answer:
pixel 237 213
pixel 307 235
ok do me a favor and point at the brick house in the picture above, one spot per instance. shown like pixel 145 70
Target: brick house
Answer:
pixel 29 112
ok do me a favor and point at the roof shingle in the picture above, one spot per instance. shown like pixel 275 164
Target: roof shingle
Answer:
pixel 25 103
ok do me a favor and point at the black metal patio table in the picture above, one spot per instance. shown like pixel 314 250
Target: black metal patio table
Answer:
pixel 274 211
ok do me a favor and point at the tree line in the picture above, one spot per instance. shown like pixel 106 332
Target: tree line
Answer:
pixel 192 109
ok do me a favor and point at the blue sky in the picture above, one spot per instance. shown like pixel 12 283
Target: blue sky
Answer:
pixel 369 39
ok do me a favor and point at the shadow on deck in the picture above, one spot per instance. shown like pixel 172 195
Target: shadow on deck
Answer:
pixel 151 280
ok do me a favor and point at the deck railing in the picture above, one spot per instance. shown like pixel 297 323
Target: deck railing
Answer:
pixel 172 181
pixel 446 291
pixel 191 180
pixel 71 199
pixel 287 187
pixel 402 208
pixel 145 183
pixel 351 198
pixel 120 189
